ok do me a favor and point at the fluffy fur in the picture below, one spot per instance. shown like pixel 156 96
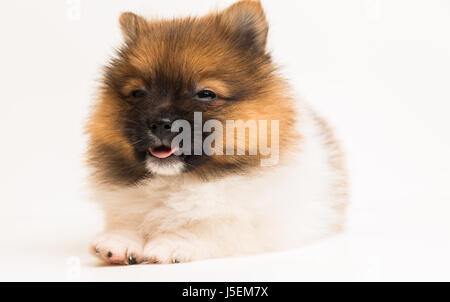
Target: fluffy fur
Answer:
pixel 196 206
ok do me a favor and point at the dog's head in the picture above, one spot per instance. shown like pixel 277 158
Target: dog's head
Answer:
pixel 188 71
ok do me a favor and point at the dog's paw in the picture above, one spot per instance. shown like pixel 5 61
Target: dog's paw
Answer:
pixel 118 248
pixel 169 249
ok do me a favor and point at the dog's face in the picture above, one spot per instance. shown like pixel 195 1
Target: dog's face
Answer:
pixel 169 70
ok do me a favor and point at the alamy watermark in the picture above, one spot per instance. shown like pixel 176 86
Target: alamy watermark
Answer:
pixel 73 272
pixel 73 10
pixel 251 137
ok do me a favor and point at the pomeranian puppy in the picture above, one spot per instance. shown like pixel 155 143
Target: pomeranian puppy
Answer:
pixel 198 150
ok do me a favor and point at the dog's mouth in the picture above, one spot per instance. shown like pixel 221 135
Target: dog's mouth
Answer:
pixel 162 151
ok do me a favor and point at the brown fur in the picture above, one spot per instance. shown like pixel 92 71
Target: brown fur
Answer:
pixel 337 162
pixel 223 51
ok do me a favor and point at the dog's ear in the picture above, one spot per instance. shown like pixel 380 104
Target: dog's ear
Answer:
pixel 248 21
pixel 132 25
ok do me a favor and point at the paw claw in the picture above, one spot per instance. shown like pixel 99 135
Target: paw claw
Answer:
pixel 170 249
pixel 131 259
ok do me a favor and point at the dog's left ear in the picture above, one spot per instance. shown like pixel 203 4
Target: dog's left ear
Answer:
pixel 248 21
pixel 132 26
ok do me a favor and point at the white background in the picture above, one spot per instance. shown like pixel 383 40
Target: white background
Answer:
pixel 378 70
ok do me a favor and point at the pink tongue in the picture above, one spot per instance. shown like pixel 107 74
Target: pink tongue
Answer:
pixel 162 153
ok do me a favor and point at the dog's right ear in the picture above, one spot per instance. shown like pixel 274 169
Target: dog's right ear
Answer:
pixel 132 26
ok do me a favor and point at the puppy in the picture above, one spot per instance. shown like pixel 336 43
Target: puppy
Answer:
pixel 252 170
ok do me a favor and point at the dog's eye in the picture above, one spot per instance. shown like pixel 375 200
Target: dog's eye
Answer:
pixel 138 93
pixel 205 95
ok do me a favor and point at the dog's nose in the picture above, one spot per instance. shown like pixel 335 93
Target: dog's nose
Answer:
pixel 160 127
